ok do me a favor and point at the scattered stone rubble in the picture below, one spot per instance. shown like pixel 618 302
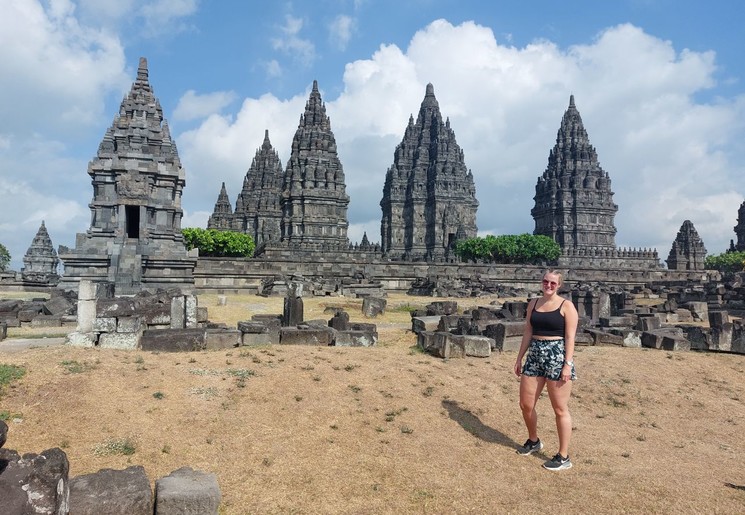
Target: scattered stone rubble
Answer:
pixel 40 483
pixel 57 311
pixel 659 316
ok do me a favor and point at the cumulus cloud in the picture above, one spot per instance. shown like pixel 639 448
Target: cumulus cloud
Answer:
pixel 146 18
pixel 192 106
pixel 670 157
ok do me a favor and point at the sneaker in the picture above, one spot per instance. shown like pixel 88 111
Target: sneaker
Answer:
pixel 529 447
pixel 558 462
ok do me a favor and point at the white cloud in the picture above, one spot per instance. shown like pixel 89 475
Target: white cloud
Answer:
pixel 273 69
pixel 341 29
pixel 146 18
pixel 192 105
pixel 290 42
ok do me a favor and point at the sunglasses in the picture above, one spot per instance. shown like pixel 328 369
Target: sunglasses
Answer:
pixel 553 284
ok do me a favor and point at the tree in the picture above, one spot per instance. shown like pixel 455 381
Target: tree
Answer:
pixel 214 243
pixel 4 258
pixel 726 262
pixel 510 248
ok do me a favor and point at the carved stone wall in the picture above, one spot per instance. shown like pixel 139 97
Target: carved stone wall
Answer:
pixel 429 197
pixel 740 229
pixel 134 239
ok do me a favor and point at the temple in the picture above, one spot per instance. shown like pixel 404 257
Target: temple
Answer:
pixel 134 239
pixel 573 198
pixel 41 261
pixel 222 216
pixel 257 210
pixel 429 197
pixel 688 251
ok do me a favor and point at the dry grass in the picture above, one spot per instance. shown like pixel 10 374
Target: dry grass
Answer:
pixel 388 429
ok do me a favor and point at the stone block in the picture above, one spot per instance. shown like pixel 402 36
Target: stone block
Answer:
pixel 293 311
pixel 27 315
pixel 653 339
pixel 173 340
pixel 363 326
pixel 306 336
pixel 632 339
pixel 10 320
pixel 271 338
pixel 355 339
pixel 425 323
pixel 699 311
pixel 476 346
pixel 3 331
pixel 718 318
pixel 617 321
pixel 78 339
pixel 444 345
pixel 425 340
pixel 104 325
pixel 674 343
pixel 600 337
pixel 123 341
pixel 86 290
pixel 157 313
pixel 113 492
pixel 444 307
pixel 3 433
pixel 187 492
pixel 340 321
pixel 129 324
pixel 201 315
pixel 683 316
pixel 58 305
pixel 117 307
pixel 190 309
pixel 266 318
pixel 216 339
pixel 722 336
pixel 648 322
pixel 507 336
pixel 46 321
pixel 373 306
pixel 86 315
pixel 34 483
pixel 451 322
pixel 518 309
pixel 178 312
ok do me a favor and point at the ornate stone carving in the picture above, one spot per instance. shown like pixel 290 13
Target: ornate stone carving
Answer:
pixel 688 251
pixel 314 200
pixel 222 217
pixel 429 197
pixel 573 198
pixel 40 261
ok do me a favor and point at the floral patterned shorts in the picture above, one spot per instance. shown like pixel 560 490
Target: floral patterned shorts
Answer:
pixel 546 359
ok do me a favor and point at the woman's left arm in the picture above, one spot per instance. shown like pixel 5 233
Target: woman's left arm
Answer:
pixel 571 319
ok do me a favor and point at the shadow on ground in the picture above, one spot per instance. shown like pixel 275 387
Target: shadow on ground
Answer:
pixel 473 425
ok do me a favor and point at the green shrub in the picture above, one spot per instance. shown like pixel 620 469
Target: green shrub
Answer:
pixel 522 248
pixel 212 242
pixel 726 262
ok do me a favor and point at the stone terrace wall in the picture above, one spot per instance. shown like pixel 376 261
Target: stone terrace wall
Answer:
pixel 217 274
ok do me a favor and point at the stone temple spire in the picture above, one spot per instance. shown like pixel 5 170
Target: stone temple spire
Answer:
pixel 40 261
pixel 257 210
pixel 429 195
pixel 314 200
pixel 222 217
pixel 135 239
pixel 573 198
pixel 688 251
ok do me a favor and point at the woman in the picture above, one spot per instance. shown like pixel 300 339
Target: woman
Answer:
pixel 550 327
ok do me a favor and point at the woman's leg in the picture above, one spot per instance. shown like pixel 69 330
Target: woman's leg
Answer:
pixel 530 390
pixel 559 393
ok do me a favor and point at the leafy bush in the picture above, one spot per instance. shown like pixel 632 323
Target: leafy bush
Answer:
pixel 521 248
pixel 212 242
pixel 4 258
pixel 726 262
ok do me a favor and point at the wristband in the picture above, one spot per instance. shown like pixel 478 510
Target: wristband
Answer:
pixel 570 363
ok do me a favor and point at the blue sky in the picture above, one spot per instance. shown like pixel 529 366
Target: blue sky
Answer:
pixel 659 85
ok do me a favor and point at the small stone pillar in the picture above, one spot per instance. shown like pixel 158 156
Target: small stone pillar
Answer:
pixel 293 309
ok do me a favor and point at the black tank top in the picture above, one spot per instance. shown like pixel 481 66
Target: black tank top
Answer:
pixel 550 323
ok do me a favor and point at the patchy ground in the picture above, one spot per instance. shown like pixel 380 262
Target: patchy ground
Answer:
pixel 389 429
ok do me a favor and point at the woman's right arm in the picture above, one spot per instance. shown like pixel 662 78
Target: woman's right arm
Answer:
pixel 525 343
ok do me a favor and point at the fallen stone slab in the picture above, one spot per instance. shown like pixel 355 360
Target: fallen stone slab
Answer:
pixel 507 336
pixel 355 339
pixel 187 492
pixel 113 492
pixel 373 306
pixel 475 346
pixel 173 340
pixel 425 323
pixel 34 483
pixel 306 336
pixel 217 339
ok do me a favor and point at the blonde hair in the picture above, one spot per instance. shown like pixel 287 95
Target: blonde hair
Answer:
pixel 556 273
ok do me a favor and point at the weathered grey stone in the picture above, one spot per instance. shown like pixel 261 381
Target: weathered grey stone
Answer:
pixel 86 315
pixel 648 322
pixel 446 345
pixel 173 340
pixel 601 337
pixel 699 311
pixel 3 330
pixel 293 311
pixel 632 339
pixel 309 336
pixel 78 339
pixel 722 336
pixel 112 492
pixel 507 336
pixel 654 339
pixel 123 341
pixel 27 315
pixel 216 339
pixel 86 290
pixel 178 312
pixel 373 306
pixel 129 324
pixel 270 338
pixel 442 307
pixel 34 483
pixel 340 321
pixel 688 251
pixel 46 321
pixel 674 342
pixel 58 305
pixel 624 321
pixel 116 307
pixel 518 309
pixel 201 315
pixel 425 222
pixel 41 262
pixel 476 346
pixel 718 318
pixel 104 325
pixel 426 323
pixel 355 339
pixel 190 311
pixel 3 433
pixel 187 492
